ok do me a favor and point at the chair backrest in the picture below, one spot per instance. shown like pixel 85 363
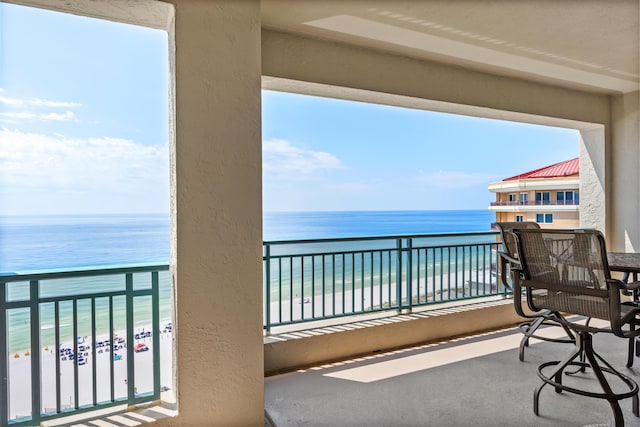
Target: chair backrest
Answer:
pixel 566 271
pixel 509 247
pixel 508 241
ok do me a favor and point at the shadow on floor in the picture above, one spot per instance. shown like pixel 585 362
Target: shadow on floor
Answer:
pixel 475 381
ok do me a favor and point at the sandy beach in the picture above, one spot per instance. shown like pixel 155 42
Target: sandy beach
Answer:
pixel 19 380
pixel 380 295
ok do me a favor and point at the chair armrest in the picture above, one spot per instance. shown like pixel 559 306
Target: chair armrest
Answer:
pixel 511 260
pixel 505 260
pixel 633 286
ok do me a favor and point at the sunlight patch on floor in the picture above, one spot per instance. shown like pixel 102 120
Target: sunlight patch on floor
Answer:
pixel 432 359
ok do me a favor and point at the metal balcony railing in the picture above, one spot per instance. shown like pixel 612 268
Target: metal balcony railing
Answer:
pixel 537 203
pixel 77 341
pixel 306 280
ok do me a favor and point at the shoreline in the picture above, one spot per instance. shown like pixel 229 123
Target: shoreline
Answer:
pixel 48 339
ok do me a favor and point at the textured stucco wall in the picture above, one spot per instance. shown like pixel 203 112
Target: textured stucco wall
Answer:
pixel 593 179
pixel 339 68
pixel 384 334
pixel 624 197
pixel 218 212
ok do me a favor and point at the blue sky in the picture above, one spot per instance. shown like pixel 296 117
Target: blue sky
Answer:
pixel 83 115
pixel 328 154
pixel 84 125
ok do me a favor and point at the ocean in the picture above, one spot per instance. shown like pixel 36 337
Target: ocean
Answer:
pixel 30 244
pixel 40 243
pixel 37 243
pixel 322 225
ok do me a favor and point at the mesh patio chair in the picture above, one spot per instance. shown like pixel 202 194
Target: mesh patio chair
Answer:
pixel 508 261
pixel 567 271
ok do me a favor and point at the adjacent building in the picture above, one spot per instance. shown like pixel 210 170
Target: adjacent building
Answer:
pixel 549 196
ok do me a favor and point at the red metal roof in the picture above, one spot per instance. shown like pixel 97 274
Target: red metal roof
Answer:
pixel 566 168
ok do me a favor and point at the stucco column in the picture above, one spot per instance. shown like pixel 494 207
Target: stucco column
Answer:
pixel 217 213
pixel 593 178
pixel 624 165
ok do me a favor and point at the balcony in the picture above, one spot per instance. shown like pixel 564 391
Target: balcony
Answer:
pixel 82 341
pixel 546 206
pixel 351 301
pixel 536 203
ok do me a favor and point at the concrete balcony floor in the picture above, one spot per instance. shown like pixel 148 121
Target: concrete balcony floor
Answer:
pixel 472 381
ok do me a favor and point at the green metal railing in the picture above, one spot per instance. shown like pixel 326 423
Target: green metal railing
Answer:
pixel 306 280
pixel 67 335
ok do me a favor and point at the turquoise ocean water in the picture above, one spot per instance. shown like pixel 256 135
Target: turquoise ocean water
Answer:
pixel 293 277
pixel 34 244
pixel 31 244
pixel 320 225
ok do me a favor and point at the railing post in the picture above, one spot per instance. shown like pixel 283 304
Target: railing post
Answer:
pixel 131 395
pixel 4 394
pixel 267 292
pixel 35 351
pixel 399 275
pixel 409 251
pixel 155 336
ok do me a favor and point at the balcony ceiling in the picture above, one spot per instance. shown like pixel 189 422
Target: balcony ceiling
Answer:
pixel 590 45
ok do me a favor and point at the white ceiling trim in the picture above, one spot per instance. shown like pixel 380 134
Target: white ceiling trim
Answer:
pixel 373 30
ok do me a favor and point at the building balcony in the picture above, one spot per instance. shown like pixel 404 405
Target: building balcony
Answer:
pixel 537 203
pixel 535 206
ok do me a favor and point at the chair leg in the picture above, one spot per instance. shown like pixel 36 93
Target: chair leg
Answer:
pixel 557 374
pixel 593 362
pixel 588 358
pixel 529 332
pixel 632 348
pixel 635 399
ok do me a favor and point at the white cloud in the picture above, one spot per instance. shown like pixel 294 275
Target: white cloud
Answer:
pixel 452 179
pixel 31 109
pixel 109 171
pixel 53 104
pixel 37 102
pixel 11 101
pixel 282 158
pixel 67 115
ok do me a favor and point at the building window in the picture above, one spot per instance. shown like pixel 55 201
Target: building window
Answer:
pixel 572 197
pixel 542 197
pixel 519 218
pixel 567 197
pixel 512 198
pixel 524 199
pixel 544 218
